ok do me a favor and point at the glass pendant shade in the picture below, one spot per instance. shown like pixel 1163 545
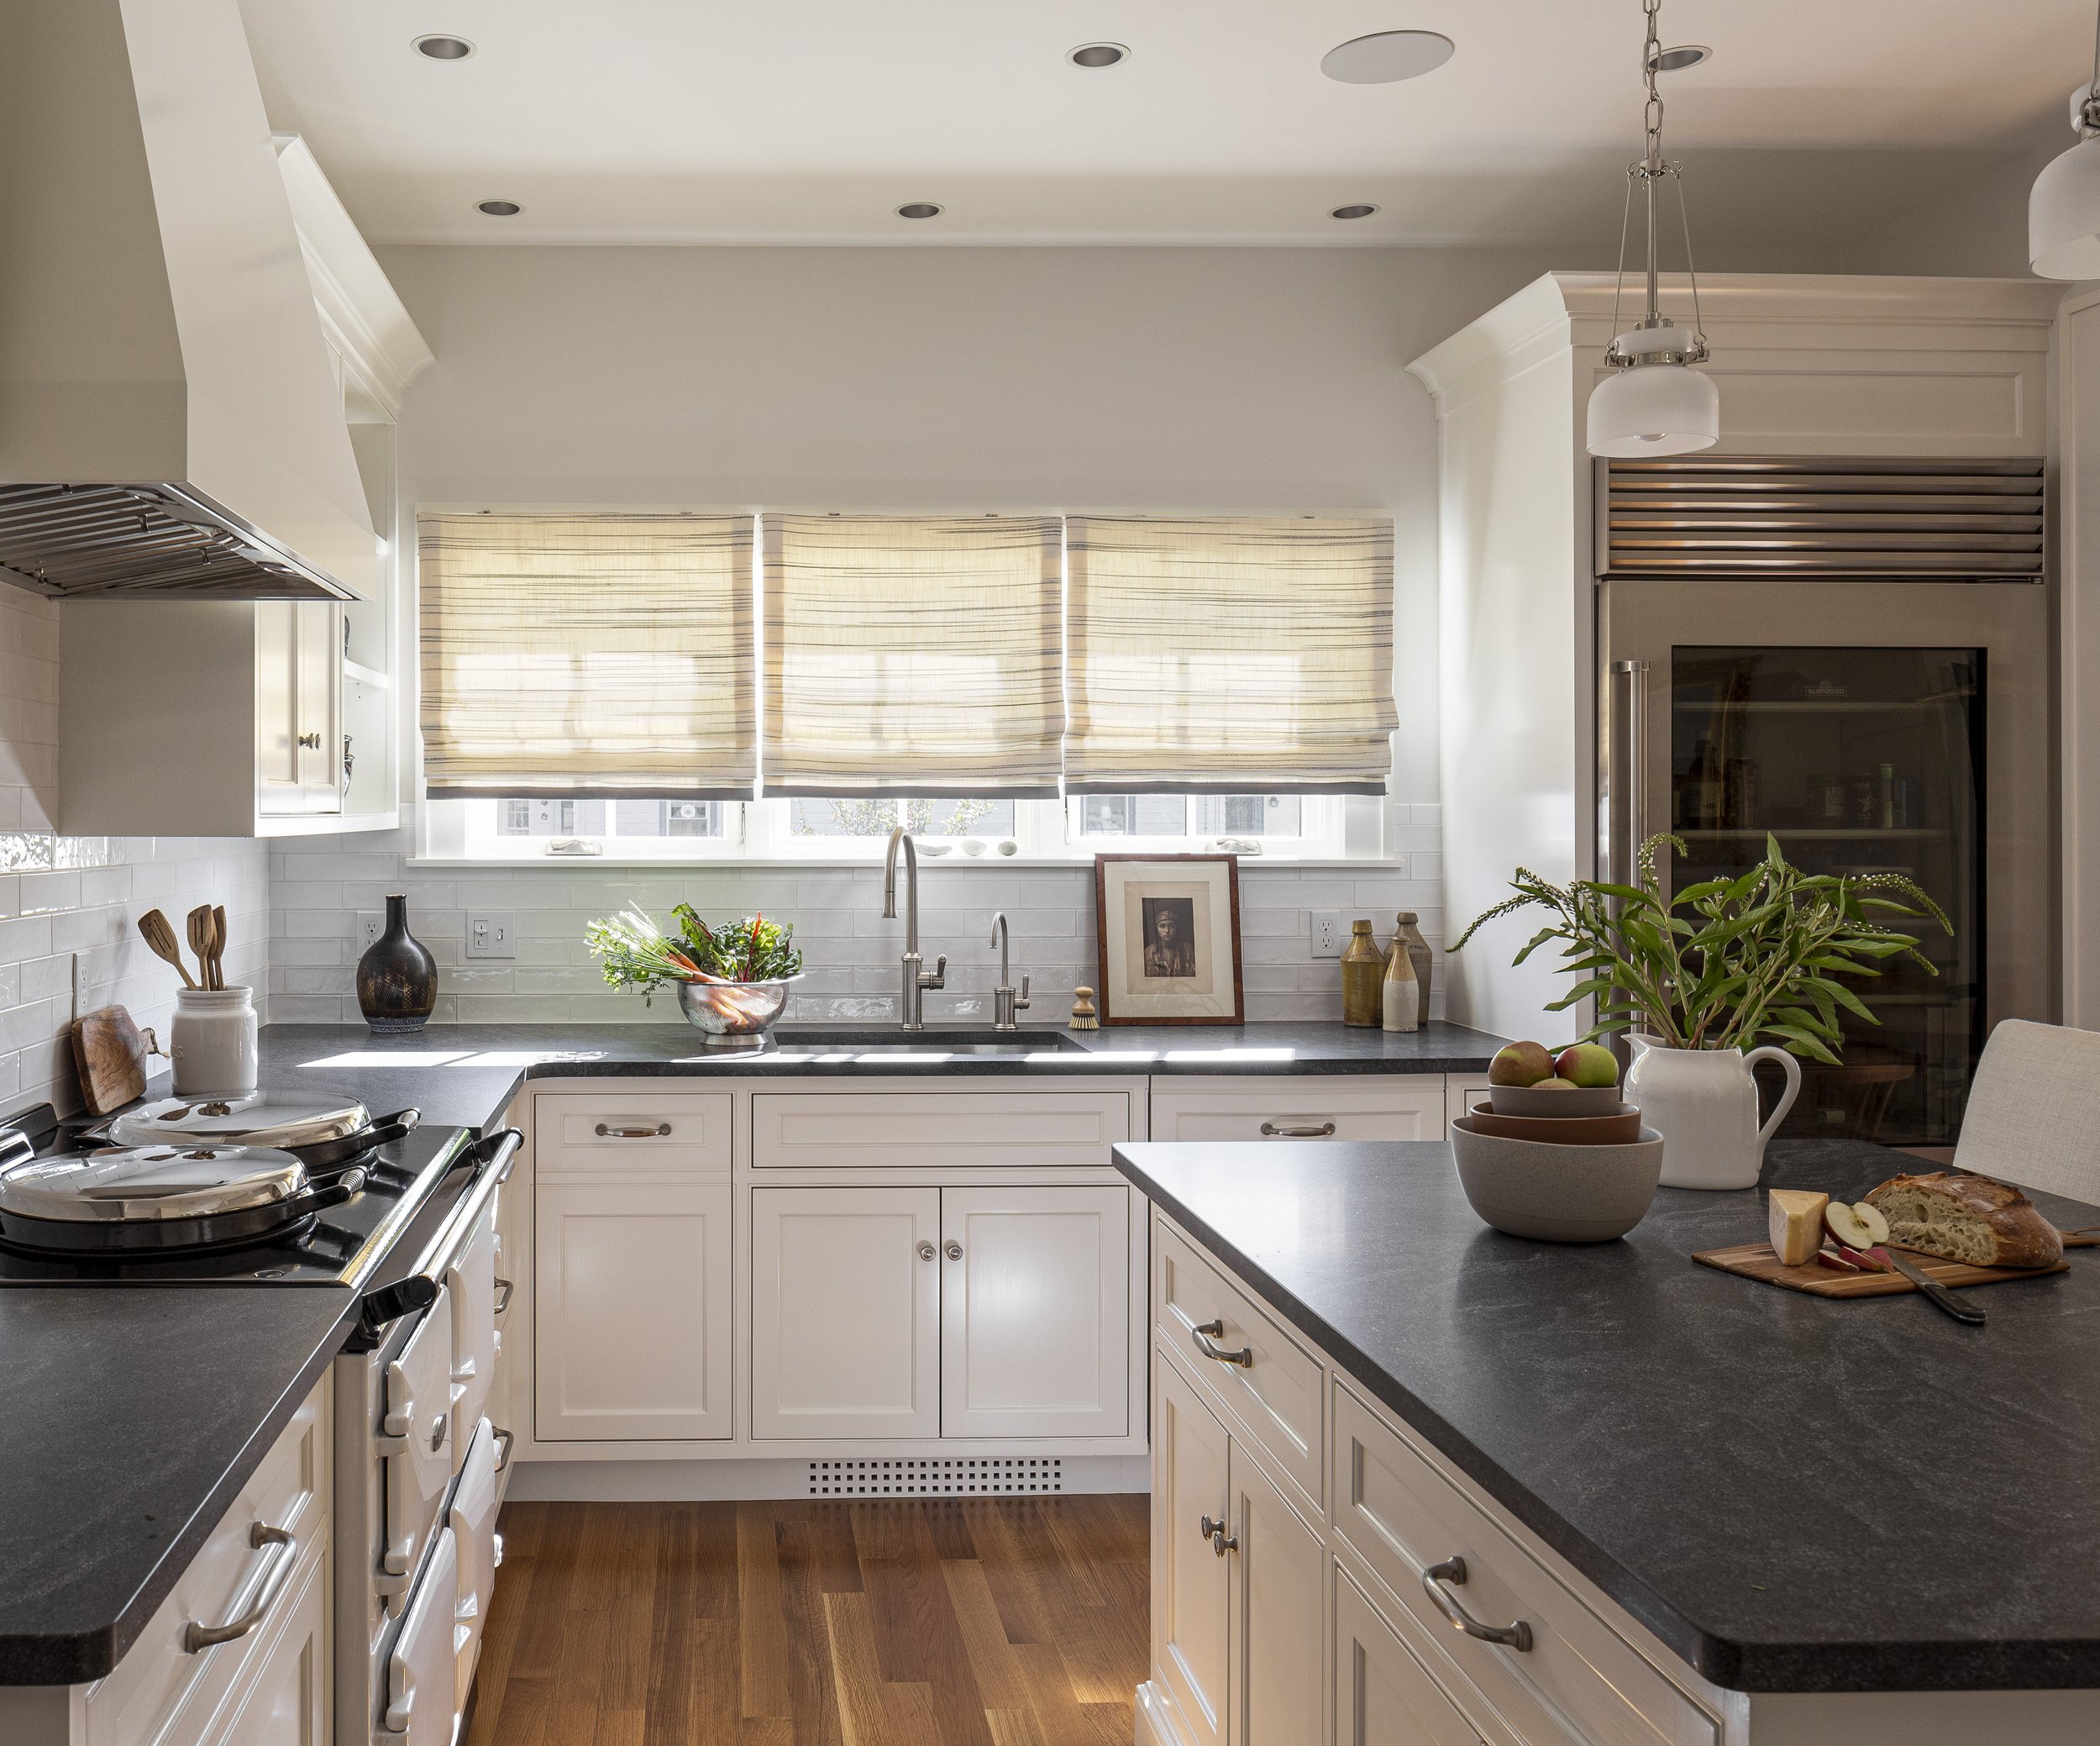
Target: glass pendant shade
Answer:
pixel 2063 215
pixel 1655 409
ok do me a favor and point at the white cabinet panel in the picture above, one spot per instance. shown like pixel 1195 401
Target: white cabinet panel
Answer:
pixel 1190 1592
pixel 287 1703
pixel 1382 1694
pixel 1278 1571
pixel 637 1132
pixel 1034 1319
pixel 298 742
pixel 920 1130
pixel 632 1310
pixel 845 1313
pixel 1354 1106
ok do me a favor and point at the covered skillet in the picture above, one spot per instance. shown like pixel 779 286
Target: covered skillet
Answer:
pixel 323 1136
pixel 129 1200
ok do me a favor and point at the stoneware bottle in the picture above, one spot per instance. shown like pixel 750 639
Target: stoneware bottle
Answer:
pixel 1363 970
pixel 396 979
pixel 1399 1006
pixel 1418 951
pixel 1704 1102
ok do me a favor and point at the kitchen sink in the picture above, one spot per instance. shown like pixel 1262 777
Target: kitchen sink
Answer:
pixel 957 1042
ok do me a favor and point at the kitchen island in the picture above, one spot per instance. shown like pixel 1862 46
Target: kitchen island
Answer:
pixel 1726 1511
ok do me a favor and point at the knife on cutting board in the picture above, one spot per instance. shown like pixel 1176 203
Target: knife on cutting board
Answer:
pixel 1937 1294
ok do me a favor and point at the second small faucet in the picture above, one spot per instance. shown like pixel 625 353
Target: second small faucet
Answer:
pixel 1006 1002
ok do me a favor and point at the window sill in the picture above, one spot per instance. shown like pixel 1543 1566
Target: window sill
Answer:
pixel 872 861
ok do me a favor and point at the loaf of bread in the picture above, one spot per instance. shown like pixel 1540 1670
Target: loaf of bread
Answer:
pixel 1968 1218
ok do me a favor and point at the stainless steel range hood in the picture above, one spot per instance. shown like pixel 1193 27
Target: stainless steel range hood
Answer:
pixel 171 419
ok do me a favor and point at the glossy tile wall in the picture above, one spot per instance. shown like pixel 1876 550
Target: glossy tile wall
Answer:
pixel 70 904
pixel 318 884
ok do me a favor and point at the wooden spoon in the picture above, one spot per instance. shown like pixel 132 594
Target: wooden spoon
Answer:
pixel 160 938
pixel 201 941
pixel 219 945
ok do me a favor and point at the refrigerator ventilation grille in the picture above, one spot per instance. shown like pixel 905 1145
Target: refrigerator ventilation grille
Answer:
pixel 980 1476
pixel 1902 520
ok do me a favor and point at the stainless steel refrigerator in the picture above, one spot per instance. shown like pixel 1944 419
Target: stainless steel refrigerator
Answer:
pixel 1855 657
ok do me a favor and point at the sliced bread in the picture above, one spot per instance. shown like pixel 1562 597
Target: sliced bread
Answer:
pixel 1968 1218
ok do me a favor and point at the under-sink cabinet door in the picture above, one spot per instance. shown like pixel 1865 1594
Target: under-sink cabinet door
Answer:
pixel 1034 1316
pixel 631 1311
pixel 1192 1495
pixel 845 1313
pixel 1278 1567
pixel 1383 1695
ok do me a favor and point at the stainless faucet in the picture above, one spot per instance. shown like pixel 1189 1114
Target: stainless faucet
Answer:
pixel 1004 1001
pixel 916 981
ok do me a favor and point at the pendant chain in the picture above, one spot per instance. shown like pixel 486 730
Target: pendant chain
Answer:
pixel 1652 63
pixel 1652 168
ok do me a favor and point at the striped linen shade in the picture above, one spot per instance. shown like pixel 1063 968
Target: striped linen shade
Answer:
pixel 913 655
pixel 1230 654
pixel 599 656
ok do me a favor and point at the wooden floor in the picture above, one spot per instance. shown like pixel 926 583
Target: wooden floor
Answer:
pixel 1010 1621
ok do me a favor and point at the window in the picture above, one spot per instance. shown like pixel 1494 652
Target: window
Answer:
pixel 1190 815
pixel 864 817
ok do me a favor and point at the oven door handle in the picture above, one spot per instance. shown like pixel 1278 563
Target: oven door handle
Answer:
pixel 497 1153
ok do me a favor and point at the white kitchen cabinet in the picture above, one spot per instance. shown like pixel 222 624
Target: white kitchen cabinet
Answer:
pixel 287 1703
pixel 1034 1316
pixel 845 1313
pixel 298 707
pixel 1338 1106
pixel 1381 1693
pixel 633 1309
pixel 1192 1491
pixel 1278 1568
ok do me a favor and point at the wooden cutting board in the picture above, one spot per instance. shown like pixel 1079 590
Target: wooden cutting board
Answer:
pixel 1758 1261
pixel 111 1058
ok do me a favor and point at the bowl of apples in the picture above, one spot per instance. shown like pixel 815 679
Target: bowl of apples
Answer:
pixel 1527 1079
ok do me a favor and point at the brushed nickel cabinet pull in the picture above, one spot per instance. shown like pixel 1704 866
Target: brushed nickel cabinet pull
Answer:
pixel 658 1132
pixel 503 1289
pixel 282 1552
pixel 1452 1570
pixel 1206 1335
pixel 312 742
pixel 1323 1131
pixel 504 1439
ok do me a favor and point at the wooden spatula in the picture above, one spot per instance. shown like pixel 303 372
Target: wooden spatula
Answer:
pixel 219 945
pixel 160 941
pixel 201 941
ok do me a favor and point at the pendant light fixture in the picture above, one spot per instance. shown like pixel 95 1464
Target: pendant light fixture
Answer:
pixel 1654 403
pixel 2063 212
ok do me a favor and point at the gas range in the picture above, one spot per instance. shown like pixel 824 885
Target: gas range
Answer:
pixel 338 1246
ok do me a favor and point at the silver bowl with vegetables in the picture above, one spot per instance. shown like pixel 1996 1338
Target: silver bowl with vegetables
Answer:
pixel 733 979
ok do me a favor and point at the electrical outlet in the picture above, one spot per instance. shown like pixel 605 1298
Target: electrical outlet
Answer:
pixel 489 936
pixel 371 924
pixel 1328 931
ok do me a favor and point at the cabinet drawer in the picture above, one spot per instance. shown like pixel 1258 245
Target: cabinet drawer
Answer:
pixel 1393 1508
pixel 599 1131
pixel 1356 1105
pixel 919 1130
pixel 1381 1691
pixel 157 1676
pixel 1275 1396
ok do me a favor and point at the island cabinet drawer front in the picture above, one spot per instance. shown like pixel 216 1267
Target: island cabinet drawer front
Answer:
pixel 649 1131
pixel 1579 1680
pixel 918 1130
pixel 1356 1105
pixel 1275 1394
pixel 156 1692
pixel 1381 1692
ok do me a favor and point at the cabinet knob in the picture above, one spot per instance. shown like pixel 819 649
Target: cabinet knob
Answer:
pixel 1221 1543
pixel 954 1250
pixel 312 742
pixel 926 1251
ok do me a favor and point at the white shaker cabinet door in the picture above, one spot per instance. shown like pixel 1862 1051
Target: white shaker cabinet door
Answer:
pixel 1190 1586
pixel 1035 1311
pixel 1279 1648
pixel 631 1311
pixel 286 1704
pixel 845 1313
pixel 1381 1692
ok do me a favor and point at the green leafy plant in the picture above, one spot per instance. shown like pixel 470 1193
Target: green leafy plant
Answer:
pixel 1724 962
pixel 635 953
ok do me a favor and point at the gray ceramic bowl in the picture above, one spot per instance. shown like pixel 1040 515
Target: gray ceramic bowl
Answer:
pixel 1557 1193
pixel 1531 1100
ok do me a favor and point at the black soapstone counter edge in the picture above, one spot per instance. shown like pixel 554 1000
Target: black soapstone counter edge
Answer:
pixel 1792 1493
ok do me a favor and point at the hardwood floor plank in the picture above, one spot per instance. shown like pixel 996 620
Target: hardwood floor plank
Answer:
pixel 850 1634
pixel 812 1691
pixel 761 1628
pixel 991 1657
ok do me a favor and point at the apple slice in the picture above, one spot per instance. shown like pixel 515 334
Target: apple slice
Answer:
pixel 1835 1262
pixel 1850 1230
pixel 1869 1261
pixel 1870 1216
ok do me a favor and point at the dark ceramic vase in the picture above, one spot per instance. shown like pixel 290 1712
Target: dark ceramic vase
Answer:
pixel 396 979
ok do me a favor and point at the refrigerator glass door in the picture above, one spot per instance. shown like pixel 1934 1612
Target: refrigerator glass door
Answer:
pixel 1867 727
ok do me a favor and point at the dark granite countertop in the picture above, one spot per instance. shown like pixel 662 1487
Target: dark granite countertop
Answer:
pixel 462 1075
pixel 1794 1493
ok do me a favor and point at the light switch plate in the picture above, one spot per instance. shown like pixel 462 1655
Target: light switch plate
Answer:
pixel 1328 932
pixel 371 924
pixel 489 936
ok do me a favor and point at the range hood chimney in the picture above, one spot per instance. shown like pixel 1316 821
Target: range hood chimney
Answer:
pixel 171 421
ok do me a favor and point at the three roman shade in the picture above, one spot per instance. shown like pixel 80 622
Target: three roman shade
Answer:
pixel 613 654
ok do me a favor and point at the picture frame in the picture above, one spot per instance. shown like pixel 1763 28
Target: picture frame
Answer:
pixel 1167 931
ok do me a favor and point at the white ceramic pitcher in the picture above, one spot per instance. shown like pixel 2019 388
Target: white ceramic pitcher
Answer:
pixel 1704 1102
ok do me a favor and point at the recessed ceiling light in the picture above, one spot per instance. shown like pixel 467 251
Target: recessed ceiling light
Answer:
pixel 1675 61
pixel 1098 54
pixel 499 208
pixel 444 48
pixel 1387 56
pixel 1359 211
pixel 919 209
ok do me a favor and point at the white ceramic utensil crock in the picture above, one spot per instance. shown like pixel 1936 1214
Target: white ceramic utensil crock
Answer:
pixel 212 1041
pixel 1704 1102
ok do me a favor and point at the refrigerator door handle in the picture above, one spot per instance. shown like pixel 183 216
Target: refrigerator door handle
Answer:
pixel 1629 793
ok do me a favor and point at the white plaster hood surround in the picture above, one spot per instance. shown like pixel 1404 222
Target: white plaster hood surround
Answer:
pixel 158 329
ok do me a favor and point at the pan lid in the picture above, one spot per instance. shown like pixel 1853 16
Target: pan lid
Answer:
pixel 238 1122
pixel 123 1185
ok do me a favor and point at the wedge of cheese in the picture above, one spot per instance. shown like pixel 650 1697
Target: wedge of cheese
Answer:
pixel 1797 1224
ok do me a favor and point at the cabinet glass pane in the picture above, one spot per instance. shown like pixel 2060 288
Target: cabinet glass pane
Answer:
pixel 1858 760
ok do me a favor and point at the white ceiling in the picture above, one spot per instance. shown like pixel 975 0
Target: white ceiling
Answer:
pixel 810 120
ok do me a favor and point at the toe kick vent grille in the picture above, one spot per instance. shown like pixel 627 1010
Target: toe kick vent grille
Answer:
pixel 941 1476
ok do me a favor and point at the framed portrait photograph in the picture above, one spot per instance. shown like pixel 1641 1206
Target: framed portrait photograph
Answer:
pixel 1168 929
